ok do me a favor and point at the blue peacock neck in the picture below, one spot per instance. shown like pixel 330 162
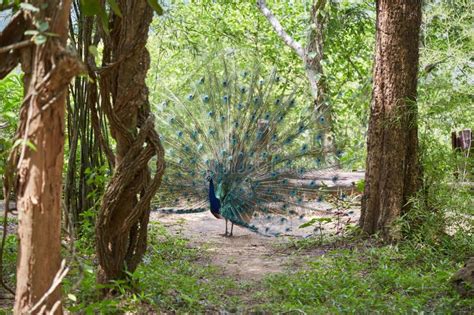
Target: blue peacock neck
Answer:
pixel 213 200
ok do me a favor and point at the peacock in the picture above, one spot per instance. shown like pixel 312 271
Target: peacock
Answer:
pixel 241 143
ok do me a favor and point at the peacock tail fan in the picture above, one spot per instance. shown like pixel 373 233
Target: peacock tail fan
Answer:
pixel 256 138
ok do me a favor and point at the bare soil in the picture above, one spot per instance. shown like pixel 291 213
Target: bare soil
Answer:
pixel 251 256
pixel 246 256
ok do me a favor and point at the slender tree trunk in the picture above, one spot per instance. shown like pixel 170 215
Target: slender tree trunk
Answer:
pixel 314 54
pixel 122 222
pixel 88 148
pixel 48 70
pixel 311 56
pixel 314 71
pixel 393 175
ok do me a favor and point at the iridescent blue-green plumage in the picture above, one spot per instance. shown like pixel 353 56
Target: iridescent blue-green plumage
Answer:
pixel 247 132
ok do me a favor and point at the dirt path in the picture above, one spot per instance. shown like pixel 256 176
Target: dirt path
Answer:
pixel 246 255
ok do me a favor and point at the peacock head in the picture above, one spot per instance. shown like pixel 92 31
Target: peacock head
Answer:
pixel 209 175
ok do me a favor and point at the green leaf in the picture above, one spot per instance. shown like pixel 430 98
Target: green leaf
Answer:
pixel 72 297
pixel 42 26
pixel 22 142
pixel 39 39
pixel 360 185
pixel 30 145
pixel 91 7
pixel 31 32
pixel 318 77
pixel 9 114
pixel 314 220
pixel 312 54
pixel 93 50
pixel 89 269
pixel 156 6
pixel 309 223
pixel 28 7
pixel 105 21
pixel 114 6
pixel 187 298
pixel 324 220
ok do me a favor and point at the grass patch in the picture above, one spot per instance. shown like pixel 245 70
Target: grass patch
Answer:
pixel 178 281
pixel 9 260
pixel 343 276
pixel 391 279
pixel 172 278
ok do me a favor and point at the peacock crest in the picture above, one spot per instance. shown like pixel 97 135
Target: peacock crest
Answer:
pixel 240 144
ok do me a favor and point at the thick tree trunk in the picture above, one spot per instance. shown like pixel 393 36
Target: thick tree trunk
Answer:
pixel 123 219
pixel 48 70
pixel 392 175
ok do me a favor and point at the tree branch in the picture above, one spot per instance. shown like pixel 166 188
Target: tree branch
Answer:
pixel 12 34
pixel 18 45
pixel 58 278
pixel 287 39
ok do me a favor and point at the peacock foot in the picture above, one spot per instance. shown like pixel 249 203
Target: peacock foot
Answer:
pixel 226 235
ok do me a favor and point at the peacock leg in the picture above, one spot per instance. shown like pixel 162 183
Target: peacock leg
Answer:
pixel 231 228
pixel 225 228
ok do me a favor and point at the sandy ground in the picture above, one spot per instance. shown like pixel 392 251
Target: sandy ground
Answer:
pixel 250 256
pixel 246 255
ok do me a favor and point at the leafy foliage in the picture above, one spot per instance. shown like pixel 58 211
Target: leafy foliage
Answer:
pixel 102 10
pixel 445 105
pixel 190 36
pixel 390 279
pixel 410 277
pixel 171 280
pixel 11 93
pixel 349 48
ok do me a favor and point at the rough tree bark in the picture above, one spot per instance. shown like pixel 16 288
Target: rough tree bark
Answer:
pixel 48 69
pixel 315 72
pixel 393 174
pixel 121 227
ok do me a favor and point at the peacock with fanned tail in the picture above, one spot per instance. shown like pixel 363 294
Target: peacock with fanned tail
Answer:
pixel 239 145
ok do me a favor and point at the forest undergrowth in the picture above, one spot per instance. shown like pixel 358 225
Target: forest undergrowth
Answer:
pixel 322 275
pixel 186 270
pixel 350 276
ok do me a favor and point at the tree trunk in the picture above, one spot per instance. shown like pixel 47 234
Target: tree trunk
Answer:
pixel 314 55
pixel 88 145
pixel 393 174
pixel 48 70
pixel 123 219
